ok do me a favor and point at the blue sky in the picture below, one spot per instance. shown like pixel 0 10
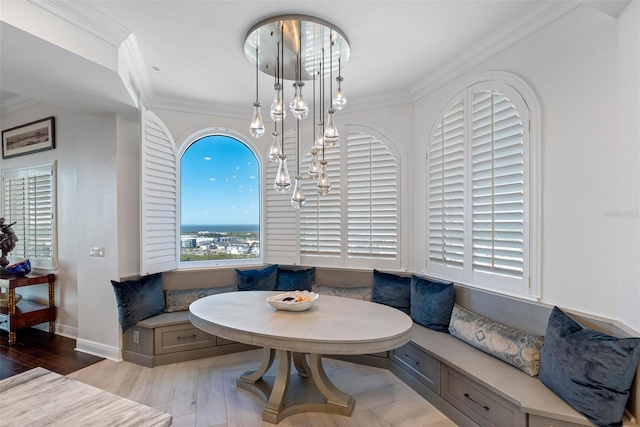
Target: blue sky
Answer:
pixel 219 183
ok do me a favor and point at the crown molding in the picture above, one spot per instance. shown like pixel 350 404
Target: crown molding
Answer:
pixel 132 56
pixel 86 17
pixel 200 107
pixel 480 52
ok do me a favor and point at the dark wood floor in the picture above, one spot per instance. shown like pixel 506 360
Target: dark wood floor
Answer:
pixel 35 348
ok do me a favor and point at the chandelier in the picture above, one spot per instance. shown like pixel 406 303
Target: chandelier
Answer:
pixel 299 48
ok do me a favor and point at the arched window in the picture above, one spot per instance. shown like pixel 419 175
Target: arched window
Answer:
pixel 480 190
pixel 358 223
pixel 219 202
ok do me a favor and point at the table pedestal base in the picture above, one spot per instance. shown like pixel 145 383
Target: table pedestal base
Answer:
pixel 286 395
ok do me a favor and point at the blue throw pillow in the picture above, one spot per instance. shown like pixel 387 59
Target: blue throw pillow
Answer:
pixel 431 303
pixel 138 299
pixel 589 370
pixel 258 280
pixel 295 280
pixel 392 290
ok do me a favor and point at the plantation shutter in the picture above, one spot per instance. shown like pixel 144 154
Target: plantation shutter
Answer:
pixel 372 198
pixel 497 188
pixel 281 231
pixel 320 218
pixel 29 201
pixel 158 193
pixel 446 195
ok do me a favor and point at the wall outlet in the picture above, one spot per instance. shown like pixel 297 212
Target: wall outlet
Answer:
pixel 136 337
pixel 99 252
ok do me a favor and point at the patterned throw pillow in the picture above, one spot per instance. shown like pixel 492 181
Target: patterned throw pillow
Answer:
pixel 363 293
pixel 518 348
pixel 179 300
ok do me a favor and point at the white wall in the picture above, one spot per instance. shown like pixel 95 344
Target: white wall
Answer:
pixel 589 157
pixel 80 142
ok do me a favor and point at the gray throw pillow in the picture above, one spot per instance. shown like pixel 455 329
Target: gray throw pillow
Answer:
pixel 518 348
pixel 179 300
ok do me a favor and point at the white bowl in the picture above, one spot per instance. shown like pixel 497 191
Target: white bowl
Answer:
pixel 277 302
pixel 4 299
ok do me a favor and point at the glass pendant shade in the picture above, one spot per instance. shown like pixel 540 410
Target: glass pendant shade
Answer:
pixel 324 183
pixel 318 144
pixel 313 168
pixel 339 101
pixel 274 150
pixel 282 183
pixel 257 126
pixel 298 105
pixel 278 112
pixel 331 135
pixel 297 198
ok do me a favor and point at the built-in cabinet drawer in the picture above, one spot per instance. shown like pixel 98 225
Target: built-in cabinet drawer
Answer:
pixel 478 403
pixel 170 339
pixel 419 364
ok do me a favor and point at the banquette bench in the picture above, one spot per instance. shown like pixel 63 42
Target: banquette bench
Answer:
pixel 469 386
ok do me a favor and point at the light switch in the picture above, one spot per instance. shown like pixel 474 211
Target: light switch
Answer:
pixel 99 252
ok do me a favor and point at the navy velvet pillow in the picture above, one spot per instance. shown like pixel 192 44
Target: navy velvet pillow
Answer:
pixel 138 299
pixel 431 303
pixel 392 290
pixel 295 280
pixel 258 280
pixel 590 370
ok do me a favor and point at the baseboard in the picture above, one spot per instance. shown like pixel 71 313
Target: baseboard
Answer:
pixel 100 350
pixel 63 330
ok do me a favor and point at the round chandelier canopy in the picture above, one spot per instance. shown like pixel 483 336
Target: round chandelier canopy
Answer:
pixel 299 39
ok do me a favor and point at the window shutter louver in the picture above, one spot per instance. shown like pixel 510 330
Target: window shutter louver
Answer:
pixel 446 190
pixel 158 225
pixel 320 218
pixel 498 186
pixel 29 201
pixel 372 198
pixel 281 219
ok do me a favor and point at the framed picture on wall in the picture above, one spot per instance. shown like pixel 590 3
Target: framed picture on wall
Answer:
pixel 30 138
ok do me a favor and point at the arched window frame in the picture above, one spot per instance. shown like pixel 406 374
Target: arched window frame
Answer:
pixel 495 80
pixel 183 145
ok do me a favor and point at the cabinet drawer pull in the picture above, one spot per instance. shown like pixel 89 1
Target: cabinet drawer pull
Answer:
pixel 411 360
pixel 485 407
pixel 186 337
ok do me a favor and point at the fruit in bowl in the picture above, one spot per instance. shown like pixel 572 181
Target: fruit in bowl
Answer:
pixel 21 268
pixel 293 301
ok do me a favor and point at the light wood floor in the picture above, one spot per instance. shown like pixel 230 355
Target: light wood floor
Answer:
pixel 203 393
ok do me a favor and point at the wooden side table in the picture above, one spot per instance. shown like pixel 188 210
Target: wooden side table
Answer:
pixel 26 313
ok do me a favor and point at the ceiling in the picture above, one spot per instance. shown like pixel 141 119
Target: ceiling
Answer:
pixel 192 54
